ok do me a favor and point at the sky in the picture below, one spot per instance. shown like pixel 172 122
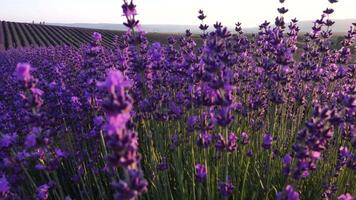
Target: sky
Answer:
pixel 250 12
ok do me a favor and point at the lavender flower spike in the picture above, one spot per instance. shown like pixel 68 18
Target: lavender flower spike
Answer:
pixel 4 187
pixel 23 71
pixel 288 194
pixel 346 196
pixel 201 172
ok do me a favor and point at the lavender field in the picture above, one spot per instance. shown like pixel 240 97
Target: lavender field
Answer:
pixel 231 116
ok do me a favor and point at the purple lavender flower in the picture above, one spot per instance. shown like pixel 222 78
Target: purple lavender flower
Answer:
pixel 288 194
pixel 99 120
pixel 219 142
pixel 23 72
pixel 244 138
pixel 282 10
pixel 203 27
pixel 40 167
pixel 204 139
pixel 31 138
pixel 75 102
pixel 97 38
pixel 117 121
pixel 249 153
pixel 36 91
pixel 7 140
pixel 131 190
pixel 232 142
pixel 287 161
pixel 191 123
pixel 163 165
pixel 129 9
pixel 123 191
pixel 200 172
pixel 42 192
pixel 174 141
pixel 121 139
pixel 328 11
pixel 267 141
pixel 59 153
pixel 4 187
pixel 226 188
pixel 346 196
pixel 344 152
pixel 315 155
pixel 138 183
pixel 224 116
pixel 201 15
pixel 115 81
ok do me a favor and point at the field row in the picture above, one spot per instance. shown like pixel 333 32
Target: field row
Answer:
pixel 18 35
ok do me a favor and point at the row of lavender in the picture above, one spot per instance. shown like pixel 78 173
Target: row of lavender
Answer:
pixel 235 118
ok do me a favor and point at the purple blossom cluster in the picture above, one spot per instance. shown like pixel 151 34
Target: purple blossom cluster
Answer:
pixel 120 137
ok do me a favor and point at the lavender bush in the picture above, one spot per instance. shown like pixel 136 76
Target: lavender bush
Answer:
pixel 238 117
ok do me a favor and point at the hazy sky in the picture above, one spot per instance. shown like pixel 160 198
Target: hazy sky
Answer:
pixel 249 12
